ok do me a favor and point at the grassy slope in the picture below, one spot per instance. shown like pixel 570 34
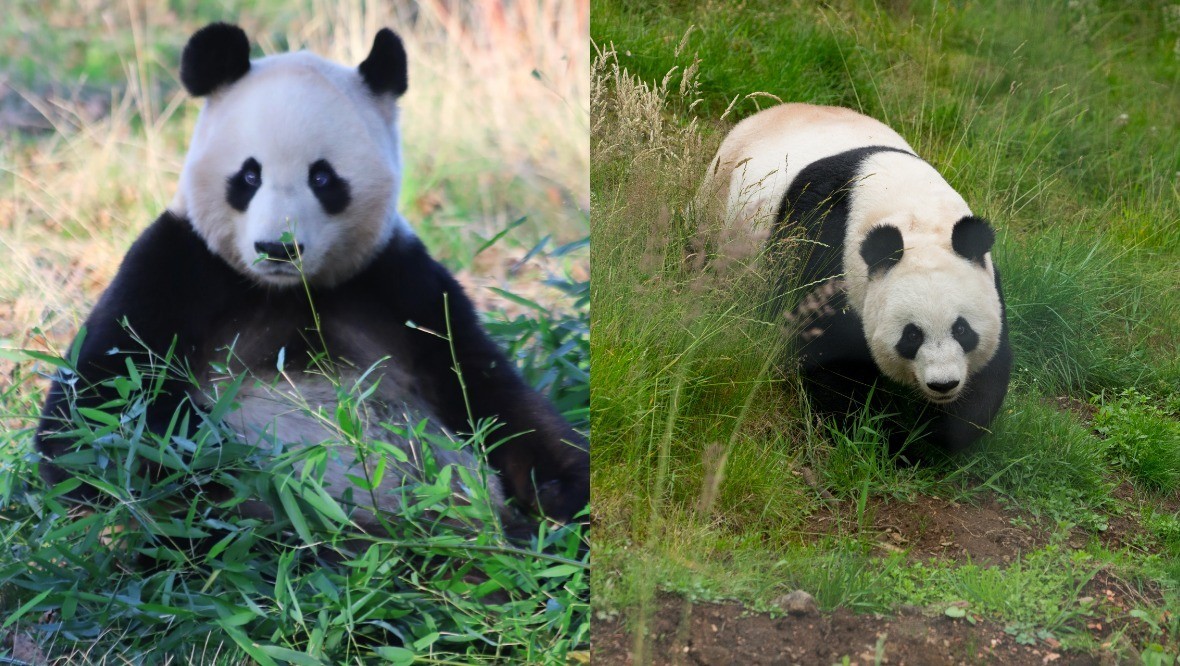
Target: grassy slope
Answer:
pixel 495 130
pixel 1059 124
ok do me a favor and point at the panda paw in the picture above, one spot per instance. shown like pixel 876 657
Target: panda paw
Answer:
pixel 562 499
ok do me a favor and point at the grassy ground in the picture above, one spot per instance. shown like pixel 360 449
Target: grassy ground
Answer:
pixel 93 130
pixel 1055 121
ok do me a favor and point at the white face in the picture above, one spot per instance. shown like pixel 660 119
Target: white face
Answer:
pixel 933 329
pixel 294 172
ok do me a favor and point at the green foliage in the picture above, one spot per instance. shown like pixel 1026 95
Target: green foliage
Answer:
pixel 1141 438
pixel 1072 315
pixel 163 563
pixel 764 49
pixel 860 462
pixel 552 349
pixel 1045 462
pixel 1039 591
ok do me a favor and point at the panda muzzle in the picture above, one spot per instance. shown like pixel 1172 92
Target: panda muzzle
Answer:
pixel 279 252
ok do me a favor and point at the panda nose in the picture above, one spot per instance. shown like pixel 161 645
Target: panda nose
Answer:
pixel 279 251
pixel 943 387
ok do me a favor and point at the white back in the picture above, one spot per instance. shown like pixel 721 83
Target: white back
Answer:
pixel 763 153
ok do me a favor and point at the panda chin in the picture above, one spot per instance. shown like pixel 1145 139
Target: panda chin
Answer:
pixel 277 275
pixel 940 400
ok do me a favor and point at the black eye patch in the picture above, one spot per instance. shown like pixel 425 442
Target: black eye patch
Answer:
pixel 240 187
pixel 911 340
pixel 332 190
pixel 966 336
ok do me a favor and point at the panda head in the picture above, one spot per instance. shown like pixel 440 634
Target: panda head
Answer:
pixel 294 168
pixel 932 312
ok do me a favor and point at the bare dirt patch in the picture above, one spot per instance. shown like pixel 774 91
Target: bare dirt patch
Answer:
pixel 932 527
pixel 1084 411
pixel 700 634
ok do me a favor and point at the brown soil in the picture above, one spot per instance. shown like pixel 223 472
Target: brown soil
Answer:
pixel 986 532
pixel 687 633
pixel 931 527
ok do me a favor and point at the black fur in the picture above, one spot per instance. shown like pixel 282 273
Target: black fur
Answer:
pixel 333 191
pixel 817 202
pixel 241 187
pixel 215 56
pixel 385 70
pixel 882 249
pixel 972 238
pixel 967 337
pixel 837 368
pixel 171 285
pixel 911 341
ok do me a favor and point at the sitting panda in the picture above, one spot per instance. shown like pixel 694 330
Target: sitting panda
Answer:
pixel 896 281
pixel 283 256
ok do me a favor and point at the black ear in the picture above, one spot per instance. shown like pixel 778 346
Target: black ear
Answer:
pixel 972 238
pixel 215 56
pixel 385 69
pixel 882 248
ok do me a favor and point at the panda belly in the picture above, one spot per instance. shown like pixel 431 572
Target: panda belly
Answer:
pixel 295 409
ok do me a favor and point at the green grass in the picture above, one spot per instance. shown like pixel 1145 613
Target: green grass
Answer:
pixel 160 566
pixel 494 128
pixel 707 466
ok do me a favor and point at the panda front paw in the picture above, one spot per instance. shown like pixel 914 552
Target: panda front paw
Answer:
pixel 563 499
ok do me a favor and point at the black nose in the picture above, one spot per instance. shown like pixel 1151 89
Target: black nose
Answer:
pixel 279 251
pixel 942 387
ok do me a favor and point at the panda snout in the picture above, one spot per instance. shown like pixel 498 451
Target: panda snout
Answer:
pixel 279 252
pixel 943 387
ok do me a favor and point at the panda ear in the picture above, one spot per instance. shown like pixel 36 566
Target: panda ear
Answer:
pixel 972 238
pixel 882 249
pixel 384 71
pixel 215 56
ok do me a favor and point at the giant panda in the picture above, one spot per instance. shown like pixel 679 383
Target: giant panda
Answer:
pixel 893 300
pixel 283 259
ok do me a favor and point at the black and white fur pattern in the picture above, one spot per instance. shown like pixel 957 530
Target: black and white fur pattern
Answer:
pixel 293 175
pixel 898 282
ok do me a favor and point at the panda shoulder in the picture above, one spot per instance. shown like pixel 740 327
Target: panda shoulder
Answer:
pixel 413 282
pixel 169 259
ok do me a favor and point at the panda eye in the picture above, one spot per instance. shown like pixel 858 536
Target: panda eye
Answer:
pixel 333 191
pixel 959 329
pixel 910 341
pixel 240 187
pixel 321 175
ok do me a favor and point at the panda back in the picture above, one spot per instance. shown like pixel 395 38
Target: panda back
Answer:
pixel 764 153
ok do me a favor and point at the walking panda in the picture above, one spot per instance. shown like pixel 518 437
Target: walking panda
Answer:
pixel 897 280
pixel 283 256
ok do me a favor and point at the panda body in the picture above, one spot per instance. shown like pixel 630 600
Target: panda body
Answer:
pixel 283 257
pixel 896 301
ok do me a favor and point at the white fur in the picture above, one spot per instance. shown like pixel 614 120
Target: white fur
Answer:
pixel 931 286
pixel 302 413
pixel 762 154
pixel 287 112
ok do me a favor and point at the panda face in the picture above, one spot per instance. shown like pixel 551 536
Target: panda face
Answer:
pixel 294 171
pixel 932 319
